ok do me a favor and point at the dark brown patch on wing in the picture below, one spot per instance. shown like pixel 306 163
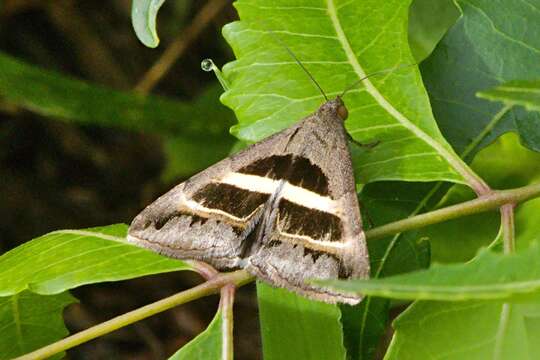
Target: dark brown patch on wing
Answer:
pixel 273 167
pixel 297 170
pixel 195 219
pixel 235 201
pixel 308 176
pixel 300 220
pixel 316 254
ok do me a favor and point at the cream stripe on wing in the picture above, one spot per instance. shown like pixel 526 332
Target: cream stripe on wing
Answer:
pixel 251 182
pixel 295 194
pixel 333 247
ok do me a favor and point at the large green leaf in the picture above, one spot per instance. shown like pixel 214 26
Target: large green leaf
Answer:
pixel 208 345
pixel 466 331
pixel 269 91
pixel 65 259
pixel 293 327
pixel 493 42
pixel 29 321
pixel 489 276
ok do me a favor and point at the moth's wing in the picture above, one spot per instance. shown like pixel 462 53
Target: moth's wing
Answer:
pixel 316 230
pixel 206 217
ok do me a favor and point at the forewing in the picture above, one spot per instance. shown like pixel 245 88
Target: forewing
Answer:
pixel 209 216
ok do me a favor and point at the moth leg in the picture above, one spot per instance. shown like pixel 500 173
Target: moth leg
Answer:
pixel 370 145
pixel 367 214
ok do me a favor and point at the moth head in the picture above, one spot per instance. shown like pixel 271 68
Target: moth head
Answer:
pixel 333 108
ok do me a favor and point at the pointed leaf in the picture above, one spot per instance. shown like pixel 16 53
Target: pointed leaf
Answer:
pixel 207 345
pixel 489 276
pixel 29 321
pixel 65 259
pixel 269 91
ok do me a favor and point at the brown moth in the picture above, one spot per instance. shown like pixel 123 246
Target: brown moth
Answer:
pixel 285 209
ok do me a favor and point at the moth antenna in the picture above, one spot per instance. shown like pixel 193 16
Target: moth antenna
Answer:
pixel 279 41
pixel 372 74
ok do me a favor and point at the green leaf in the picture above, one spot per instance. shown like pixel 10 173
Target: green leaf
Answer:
pixel 428 22
pixel 65 259
pixel 294 327
pixel 207 345
pixel 466 331
pixel 492 43
pixel 29 321
pixel 489 276
pixel 515 93
pixel 143 19
pixel 269 91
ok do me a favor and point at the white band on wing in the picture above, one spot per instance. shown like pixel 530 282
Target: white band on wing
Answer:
pixel 293 193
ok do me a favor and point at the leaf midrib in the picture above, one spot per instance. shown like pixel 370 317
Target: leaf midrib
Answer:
pixel 454 161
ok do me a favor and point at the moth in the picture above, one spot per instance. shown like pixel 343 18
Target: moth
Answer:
pixel 285 209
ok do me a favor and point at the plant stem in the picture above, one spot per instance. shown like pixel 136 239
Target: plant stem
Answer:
pixel 209 287
pixel 483 203
pixel 226 305
pixel 507 225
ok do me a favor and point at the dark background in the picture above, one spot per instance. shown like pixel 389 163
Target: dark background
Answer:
pixel 56 175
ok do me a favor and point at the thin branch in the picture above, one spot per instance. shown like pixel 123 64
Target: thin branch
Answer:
pixel 204 269
pixel 483 203
pixel 507 225
pixel 179 45
pixel 213 286
pixel 226 305
pixel 94 56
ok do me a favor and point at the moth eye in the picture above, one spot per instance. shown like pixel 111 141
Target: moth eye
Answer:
pixel 342 112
